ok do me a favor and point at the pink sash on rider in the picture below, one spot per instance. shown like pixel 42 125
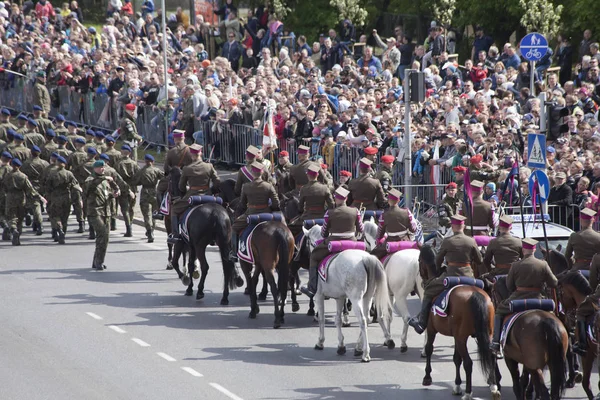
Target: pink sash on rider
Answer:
pixel 247 173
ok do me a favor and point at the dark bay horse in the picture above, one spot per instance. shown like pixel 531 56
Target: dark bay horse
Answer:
pixel 470 314
pixel 173 190
pixel 273 248
pixel 208 223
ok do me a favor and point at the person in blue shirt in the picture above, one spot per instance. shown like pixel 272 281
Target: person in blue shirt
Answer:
pixel 512 58
pixel 147 7
pixel 369 60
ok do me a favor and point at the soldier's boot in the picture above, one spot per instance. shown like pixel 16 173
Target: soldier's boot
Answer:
pixel 311 289
pixel 150 235
pixel 581 346
pixel 419 323
pixel 92 235
pixel 34 226
pixel 81 227
pixel 174 236
pixel 39 230
pixel 158 215
pixel 16 241
pixel 234 248
pixel 61 236
pixel 128 231
pixel 27 220
pixel 6 236
pixel 495 345
pixel 55 234
pixel 113 224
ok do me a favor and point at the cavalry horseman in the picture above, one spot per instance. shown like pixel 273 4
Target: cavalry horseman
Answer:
pixel 366 191
pixel 482 219
pixel 244 175
pixel 298 177
pixel 504 249
pixel 583 245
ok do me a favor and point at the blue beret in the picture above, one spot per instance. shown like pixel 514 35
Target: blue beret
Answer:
pixel 18 136
pixel 62 138
pixel 104 157
pixel 10 132
pixel 99 163
pixel 35 149
pixel 100 134
pixel 148 157
pixel 23 117
pixel 37 108
pixel 6 154
pixel 61 118
pixel 92 150
pixel 16 162
pixel 61 159
pixel 6 111
pixel 90 132
pixel 54 155
pixel 50 132
pixel 80 140
pixel 126 147
pixel 71 123
pixel 110 139
pixel 32 122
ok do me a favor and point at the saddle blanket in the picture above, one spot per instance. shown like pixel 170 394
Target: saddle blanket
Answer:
pixel 508 324
pixel 440 304
pixel 183 225
pixel 590 333
pixel 245 247
pixel 165 205
pixel 324 266
pixel 585 273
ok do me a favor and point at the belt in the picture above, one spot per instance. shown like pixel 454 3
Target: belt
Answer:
pixel 343 234
pixel 528 289
pixel 199 187
pixel 479 228
pixel 503 266
pixel 583 260
pixel 394 234
pixel 315 208
pixel 364 202
pixel 459 264
pixel 258 205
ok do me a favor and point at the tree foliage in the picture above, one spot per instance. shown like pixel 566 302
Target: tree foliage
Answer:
pixel 443 11
pixel 352 10
pixel 541 16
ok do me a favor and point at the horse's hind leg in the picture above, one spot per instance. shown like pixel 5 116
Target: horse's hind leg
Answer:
pixel 263 293
pixel 254 309
pixel 428 352
pixel 270 279
pixel 293 283
pixel 574 375
pixel 587 365
pixel 201 255
pixel 362 344
pixel 311 308
pixel 513 368
pixel 345 315
pixel 190 271
pixel 402 309
pixel 170 257
pixel 340 305
pixel 540 387
pixel 457 390
pixel 461 344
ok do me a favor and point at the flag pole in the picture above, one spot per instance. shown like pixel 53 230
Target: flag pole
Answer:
pixel 520 196
pixel 542 215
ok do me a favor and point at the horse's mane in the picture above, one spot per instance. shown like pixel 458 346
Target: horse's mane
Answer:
pixel 427 257
pixel 371 228
pixel 557 261
pixel 578 281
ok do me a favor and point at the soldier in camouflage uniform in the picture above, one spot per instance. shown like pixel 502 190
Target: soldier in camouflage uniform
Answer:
pixel 59 126
pixel 99 142
pixel 18 150
pixel 449 206
pixel 41 95
pixel 22 123
pixel 384 175
pixel 112 153
pixel 128 169
pixel 85 170
pixel 98 191
pixel 148 177
pixel 50 146
pixel 5 168
pixel 33 135
pixel 76 160
pixel 72 134
pixel 128 130
pixel 59 186
pixel 123 187
pixel 43 124
pixel 34 169
pixel 5 123
pixel 90 135
pixel 62 149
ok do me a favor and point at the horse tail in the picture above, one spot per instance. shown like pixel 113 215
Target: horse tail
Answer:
pixel 378 285
pixel 481 319
pixel 557 363
pixel 283 266
pixel 222 226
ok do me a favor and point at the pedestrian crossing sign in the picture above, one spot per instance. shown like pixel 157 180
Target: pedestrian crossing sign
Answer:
pixel 536 150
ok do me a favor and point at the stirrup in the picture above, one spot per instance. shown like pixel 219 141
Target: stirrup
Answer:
pixel 306 291
pixel 173 239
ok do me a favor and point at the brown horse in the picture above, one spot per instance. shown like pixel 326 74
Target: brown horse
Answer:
pixel 573 290
pixel 470 313
pixel 173 190
pixel 273 248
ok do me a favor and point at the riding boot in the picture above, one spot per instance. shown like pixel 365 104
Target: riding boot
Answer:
pixel 39 230
pixel 81 227
pixel 128 231
pixel 54 235
pixel 150 235
pixel 6 236
pixel 16 237
pixel 61 236
pixel 311 288
pixel 34 226
pixel 28 220
pixel 113 224
pixel 158 215
pixel 92 235
pixel 174 236
pixel 581 346
pixel 419 323
pixel 234 247
pixel 495 345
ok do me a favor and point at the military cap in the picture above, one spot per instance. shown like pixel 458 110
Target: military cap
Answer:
pixel 505 221
pixel 587 213
pixel 529 243
pixel 458 219
pixel 303 149
pixel 62 139
pixel 80 140
pixel 387 159
pixel 18 136
pixel 104 157
pixel 195 148
pixel 60 118
pixel 477 186
pixel 92 150
pixel 365 163
pixel 50 132
pixel 6 154
pixel 6 111
pixel 54 155
pixel 32 121
pixel 61 159
pixel 110 139
pixel 371 151
pixel 252 152
pixel 37 108
pixel 99 163
pixel 256 166
pixel 16 162
pixel 23 117
pixel 148 157
pixel 394 194
pixel 100 134
pixel 341 193
pixel 313 169
pixel 35 149
pixel 126 147
pixel 90 132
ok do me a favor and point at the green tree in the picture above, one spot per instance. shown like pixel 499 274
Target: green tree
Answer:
pixel 541 16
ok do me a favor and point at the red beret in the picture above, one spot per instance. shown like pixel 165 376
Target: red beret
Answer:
pixel 284 154
pixel 130 107
pixel 477 158
pixel 345 173
pixel 459 169
pixel 388 159
pixel 371 151
pixel 451 185
pixel 324 166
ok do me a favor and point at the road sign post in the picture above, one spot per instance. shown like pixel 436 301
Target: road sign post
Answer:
pixel 536 150
pixel 534 47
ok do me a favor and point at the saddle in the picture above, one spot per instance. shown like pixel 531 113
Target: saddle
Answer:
pixel 520 308
pixel 245 247
pixel 482 241
pixel 441 302
pixel 335 248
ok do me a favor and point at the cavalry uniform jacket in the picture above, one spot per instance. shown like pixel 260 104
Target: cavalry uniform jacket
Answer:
pixel 582 246
pixel 484 219
pixel 384 176
pixel 367 191
pixel 198 175
pixel 314 196
pixel 460 252
pixel 342 223
pixel 244 175
pixel 298 177
pixel 525 281
pixel 505 250
pixel 397 223
pixel 255 200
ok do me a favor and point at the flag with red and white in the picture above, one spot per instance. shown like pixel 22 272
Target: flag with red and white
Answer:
pixel 269 137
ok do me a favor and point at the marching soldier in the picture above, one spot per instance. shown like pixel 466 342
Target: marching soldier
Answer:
pixel 90 137
pixel 113 154
pixel 366 191
pixel 85 171
pixel 449 206
pixel 17 188
pixel 22 124
pixel 198 175
pixel 483 217
pixel 99 142
pixel 43 124
pixel 254 200
pixel 123 188
pixel 345 177
pixel 5 123
pixel 62 149
pixel 76 161
pixel 18 150
pixel 5 168
pixel 33 135
pixel 99 189
pixel 505 249
pixel 178 156
pixel 460 252
pixel 314 197
pixel 245 175
pixel 59 126
pixel 34 169
pixel 583 245
pixel 128 130
pixel 127 168
pixel 398 223
pixel 282 172
pixel 49 146
pixel 384 175
pixel 72 134
pixel 525 281
pixel 59 186
pixel 341 223
pixel 298 176
pixel 41 95
pixel 148 177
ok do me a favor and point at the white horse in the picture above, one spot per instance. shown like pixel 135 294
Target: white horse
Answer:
pixel 402 270
pixel 359 276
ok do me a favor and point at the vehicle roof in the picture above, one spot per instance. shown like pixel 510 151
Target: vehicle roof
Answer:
pixel 535 230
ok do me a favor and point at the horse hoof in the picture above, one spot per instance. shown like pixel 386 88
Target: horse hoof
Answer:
pixel 169 267
pixel 239 282
pixel 199 295
pixel 346 324
pixel 457 391
pixel 390 344
pixel 403 349
pixel 196 274
pixel 358 353
pixel 186 280
pixel 341 350
pixel 365 359
pixel 277 325
pixel 570 384
pixel 468 396
pixel 310 313
pixel 578 377
pixel 349 306
pixel 224 302
pixel 423 355
pixel 295 307
pixel 496 395
pixel 246 291
pixel 319 347
pixel 262 297
pixel 189 292
pixel 252 315
pixel 427 381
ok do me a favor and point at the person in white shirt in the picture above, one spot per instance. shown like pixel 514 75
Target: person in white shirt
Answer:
pixel 487 91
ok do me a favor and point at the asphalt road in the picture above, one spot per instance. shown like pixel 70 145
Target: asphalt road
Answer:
pixel 68 332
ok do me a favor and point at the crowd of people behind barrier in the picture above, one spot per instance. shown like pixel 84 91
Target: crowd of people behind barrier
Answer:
pixel 335 96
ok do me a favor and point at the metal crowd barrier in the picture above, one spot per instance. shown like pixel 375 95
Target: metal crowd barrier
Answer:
pixel 562 215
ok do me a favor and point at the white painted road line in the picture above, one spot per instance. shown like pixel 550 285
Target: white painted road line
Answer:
pixel 192 371
pixel 117 329
pixel 140 342
pixel 225 391
pixel 166 356
pixel 95 316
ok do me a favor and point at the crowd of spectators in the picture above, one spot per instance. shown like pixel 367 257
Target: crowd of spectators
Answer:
pixel 331 91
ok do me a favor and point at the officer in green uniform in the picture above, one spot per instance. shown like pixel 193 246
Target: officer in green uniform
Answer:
pixel 99 189
pixel 449 206
pixel 75 162
pixel 127 168
pixel 366 191
pixel 384 175
pixel 49 146
pixel 459 178
pixel 371 155
pixel 398 223
pixel 254 200
pixel 504 250
pixel 5 123
pixel 460 252
pixel 483 215
pixel 34 169
pixel 525 280
pixel 113 154
pixel 583 245
pixel 148 177
pixel 43 123
pixel 33 135
pixel 59 186
pixel 297 177
pixel 341 223
pixel 244 174
pixel 41 95
pixel 128 130
pixel 282 172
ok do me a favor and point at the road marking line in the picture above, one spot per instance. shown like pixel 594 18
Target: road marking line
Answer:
pixel 140 342
pixel 192 371
pixel 116 329
pixel 166 356
pixel 225 391
pixel 95 316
